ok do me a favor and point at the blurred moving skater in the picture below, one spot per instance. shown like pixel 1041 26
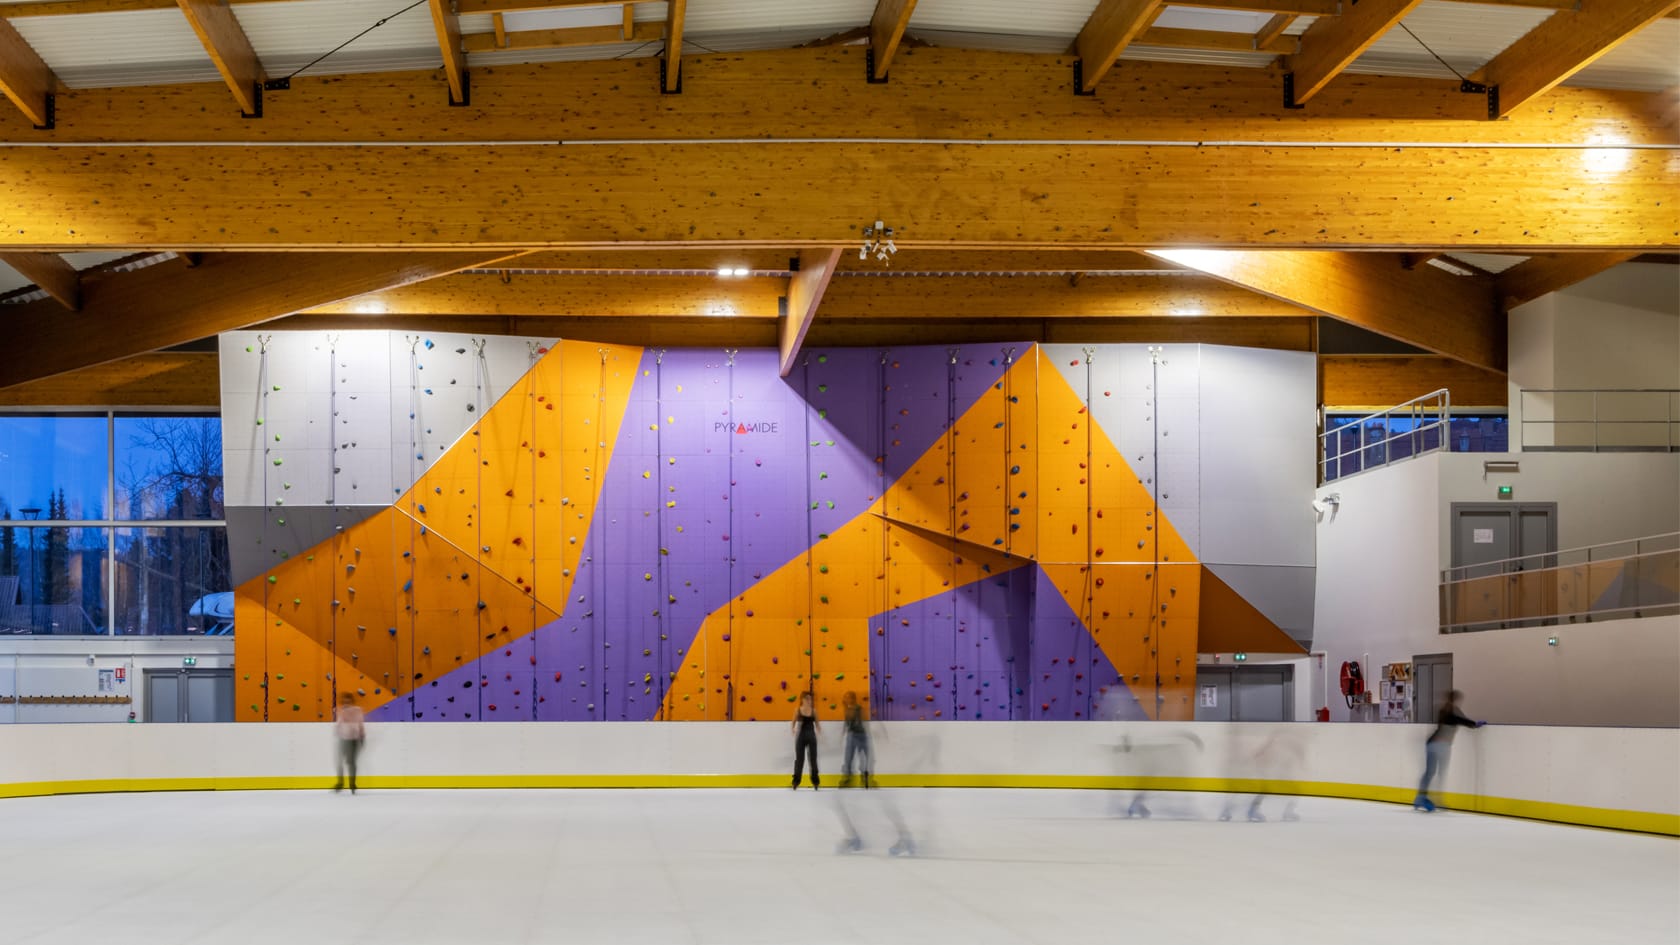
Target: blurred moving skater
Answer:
pixel 1151 757
pixel 1438 749
pixel 348 725
pixel 805 729
pixel 1277 759
pixel 857 742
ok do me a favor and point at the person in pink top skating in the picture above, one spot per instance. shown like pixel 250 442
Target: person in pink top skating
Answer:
pixel 349 724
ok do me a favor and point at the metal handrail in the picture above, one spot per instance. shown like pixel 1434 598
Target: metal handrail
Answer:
pixel 1564 592
pixel 1669 421
pixel 1637 543
pixel 1436 404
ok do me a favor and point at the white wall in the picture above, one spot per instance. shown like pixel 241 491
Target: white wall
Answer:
pixel 69 666
pixel 1377 599
pixel 1601 497
pixel 1524 770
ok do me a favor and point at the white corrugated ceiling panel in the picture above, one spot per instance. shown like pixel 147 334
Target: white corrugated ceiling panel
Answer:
pixel 746 16
pixel 1220 21
pixel 1489 262
pixel 288 35
pixel 1466 35
pixel 1203 57
pixel 1006 18
pixel 1648 60
pixel 145 47
pixel 10 281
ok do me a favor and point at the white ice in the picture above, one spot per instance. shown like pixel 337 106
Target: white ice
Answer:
pixel 745 866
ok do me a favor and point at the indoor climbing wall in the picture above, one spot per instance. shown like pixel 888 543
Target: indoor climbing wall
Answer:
pixel 573 531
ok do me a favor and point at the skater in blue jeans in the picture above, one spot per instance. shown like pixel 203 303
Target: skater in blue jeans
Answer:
pixel 1439 747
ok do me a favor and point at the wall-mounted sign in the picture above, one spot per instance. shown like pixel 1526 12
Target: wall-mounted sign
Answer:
pixel 1209 697
pixel 1481 536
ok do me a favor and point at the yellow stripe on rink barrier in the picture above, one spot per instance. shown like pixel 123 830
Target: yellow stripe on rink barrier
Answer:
pixel 1639 821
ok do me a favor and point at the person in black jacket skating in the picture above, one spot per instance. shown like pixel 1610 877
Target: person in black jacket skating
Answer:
pixel 1439 746
pixel 805 729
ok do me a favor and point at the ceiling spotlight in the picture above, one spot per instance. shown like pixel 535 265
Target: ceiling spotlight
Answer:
pixel 740 271
pixel 725 272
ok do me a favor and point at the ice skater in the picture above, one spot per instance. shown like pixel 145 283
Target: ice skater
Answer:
pixel 349 725
pixel 805 730
pixel 1438 749
pixel 1147 758
pixel 903 843
pixel 857 742
pixel 1277 758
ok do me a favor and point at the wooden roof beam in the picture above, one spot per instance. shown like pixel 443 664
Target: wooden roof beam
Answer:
pixel 753 95
pixel 25 78
pixel 776 194
pixel 1454 316
pixel 934 298
pixel 805 293
pixel 1539 275
pixel 448 27
pixel 51 274
pixel 1273 31
pixel 1331 44
pixel 670 63
pixel 886 31
pixel 126 314
pixel 1112 27
pixel 230 49
pixel 1563 44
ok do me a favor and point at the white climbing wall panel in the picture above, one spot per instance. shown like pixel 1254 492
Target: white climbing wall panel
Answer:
pixel 352 418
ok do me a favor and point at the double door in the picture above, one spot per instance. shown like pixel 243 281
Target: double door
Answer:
pixel 189 695
pixel 1502 565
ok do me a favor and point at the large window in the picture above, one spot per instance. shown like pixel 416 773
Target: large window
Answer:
pixel 74 556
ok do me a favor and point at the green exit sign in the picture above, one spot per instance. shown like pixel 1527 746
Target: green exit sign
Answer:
pixel 1240 657
pixel 189 661
pixel 1504 492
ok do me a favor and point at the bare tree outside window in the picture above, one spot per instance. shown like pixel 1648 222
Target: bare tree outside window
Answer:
pixel 169 468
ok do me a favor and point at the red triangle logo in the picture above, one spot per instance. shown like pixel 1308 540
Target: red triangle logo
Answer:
pixel 741 429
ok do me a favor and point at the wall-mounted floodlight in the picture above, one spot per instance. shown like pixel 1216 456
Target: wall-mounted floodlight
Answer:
pixel 1331 503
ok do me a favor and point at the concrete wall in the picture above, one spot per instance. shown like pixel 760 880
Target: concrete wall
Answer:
pixel 1619 672
pixel 1618 329
pixel 1379 567
pixel 61 666
pixel 1620 777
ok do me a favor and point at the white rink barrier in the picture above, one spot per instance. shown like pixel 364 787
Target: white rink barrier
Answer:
pixel 1607 777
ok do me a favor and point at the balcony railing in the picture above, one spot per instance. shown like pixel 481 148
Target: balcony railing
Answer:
pixel 1597 421
pixel 1418 426
pixel 1635 578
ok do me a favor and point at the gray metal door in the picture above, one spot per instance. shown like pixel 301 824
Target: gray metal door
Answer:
pixel 1213 694
pixel 189 695
pixel 1432 679
pixel 1481 537
pixel 209 695
pixel 163 696
pixel 1262 694
pixel 1494 549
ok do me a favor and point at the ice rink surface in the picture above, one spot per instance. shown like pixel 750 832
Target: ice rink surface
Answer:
pixel 746 866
